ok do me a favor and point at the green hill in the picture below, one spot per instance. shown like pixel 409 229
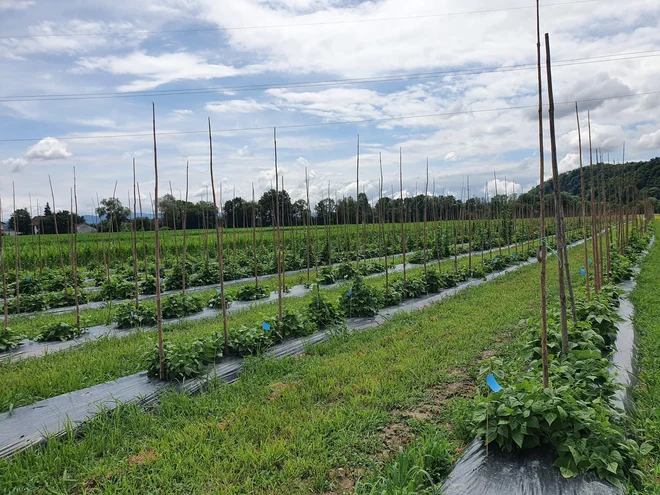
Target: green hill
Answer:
pixel 644 177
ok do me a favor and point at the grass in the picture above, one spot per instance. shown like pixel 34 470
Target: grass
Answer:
pixel 298 425
pixel 646 419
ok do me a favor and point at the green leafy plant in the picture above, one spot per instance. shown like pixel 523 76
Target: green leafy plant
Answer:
pixel 361 299
pixel 127 316
pixel 244 340
pixel 184 360
pixel 251 293
pixel 327 275
pixel 180 305
pixel 216 301
pixel 59 331
pixel 9 338
pixel 322 312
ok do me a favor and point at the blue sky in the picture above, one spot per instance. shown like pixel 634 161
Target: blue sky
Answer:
pixel 600 51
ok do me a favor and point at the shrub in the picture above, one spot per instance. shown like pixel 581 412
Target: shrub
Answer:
pixel 117 289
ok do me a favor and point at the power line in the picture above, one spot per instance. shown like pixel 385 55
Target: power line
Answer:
pixel 299 24
pixel 313 84
pixel 326 124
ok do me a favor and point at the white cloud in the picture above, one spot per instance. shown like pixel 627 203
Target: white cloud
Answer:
pixel 16 4
pixel 650 141
pixel 502 187
pixel 570 162
pixel 153 71
pixel 238 106
pixel 244 151
pixel 452 156
pixel 15 164
pixel 48 149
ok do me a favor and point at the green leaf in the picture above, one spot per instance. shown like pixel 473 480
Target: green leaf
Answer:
pixel 518 437
pixel 550 417
pixel 568 472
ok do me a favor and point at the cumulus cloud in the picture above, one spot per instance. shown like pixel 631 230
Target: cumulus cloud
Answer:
pixel 47 149
pixel 16 4
pixel 452 156
pixel 244 151
pixel 570 162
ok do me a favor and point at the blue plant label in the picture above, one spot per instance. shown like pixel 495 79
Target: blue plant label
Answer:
pixel 350 293
pixel 219 291
pixel 496 259
pixel 265 326
pixel 27 279
pixel 161 280
pixel 132 314
pixel 492 383
pixel 590 261
pixel 582 272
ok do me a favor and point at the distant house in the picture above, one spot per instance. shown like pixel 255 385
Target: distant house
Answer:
pixel 36 223
pixel 5 229
pixel 83 228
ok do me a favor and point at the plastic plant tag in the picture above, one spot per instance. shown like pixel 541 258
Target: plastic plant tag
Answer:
pixel 496 259
pixel 265 326
pixel 27 279
pixel 219 291
pixel 590 261
pixel 492 383
pixel 350 293
pixel 582 272
pixel 132 314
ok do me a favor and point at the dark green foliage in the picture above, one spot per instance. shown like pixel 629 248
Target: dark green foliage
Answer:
pixel 9 338
pixel 363 299
pixel 251 293
pixel 127 316
pixel 322 312
pixel 185 360
pixel 327 275
pixel 59 331
pixel 117 289
pixel 180 305
pixel 244 340
pixel 414 287
pixel 216 301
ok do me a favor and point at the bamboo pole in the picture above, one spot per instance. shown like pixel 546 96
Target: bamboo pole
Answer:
pixel 184 226
pixel 218 234
pixel 254 243
pixel 4 275
pixel 159 313
pixel 17 254
pixel 357 210
pixel 426 193
pixel 584 214
pixel 558 207
pixel 277 228
pixel 74 263
pixel 594 238
pixel 57 240
pixel 382 221
pixel 402 219
pixel 134 240
pixel 41 228
pixel 542 245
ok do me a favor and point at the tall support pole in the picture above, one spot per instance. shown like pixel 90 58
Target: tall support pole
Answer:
pixel 159 313
pixel 357 210
pixel 584 214
pixel 559 234
pixel 278 249
pixel 542 246
pixel 402 219
pixel 218 235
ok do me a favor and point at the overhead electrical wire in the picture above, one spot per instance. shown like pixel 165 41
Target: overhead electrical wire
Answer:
pixel 291 25
pixel 326 124
pixel 313 84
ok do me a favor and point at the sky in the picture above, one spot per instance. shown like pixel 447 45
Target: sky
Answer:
pixel 452 82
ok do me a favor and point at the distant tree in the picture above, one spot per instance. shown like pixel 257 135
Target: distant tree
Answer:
pixel 112 212
pixel 47 210
pixel 266 204
pixel 21 221
pixel 325 211
pixel 63 222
